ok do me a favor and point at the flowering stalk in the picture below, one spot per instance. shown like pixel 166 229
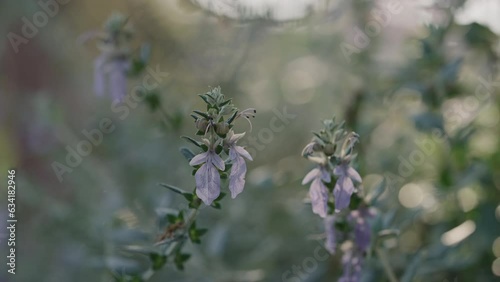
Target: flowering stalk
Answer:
pixel 215 126
pixel 118 63
pixel 335 198
pixel 172 245
pixel 115 62
pixel 332 151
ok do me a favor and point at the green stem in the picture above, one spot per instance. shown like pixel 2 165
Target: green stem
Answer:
pixel 146 275
pixel 387 266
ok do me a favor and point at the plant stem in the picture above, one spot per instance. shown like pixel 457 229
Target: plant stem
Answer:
pixel 385 263
pixel 146 275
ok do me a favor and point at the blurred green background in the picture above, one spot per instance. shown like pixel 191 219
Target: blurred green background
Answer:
pixel 420 68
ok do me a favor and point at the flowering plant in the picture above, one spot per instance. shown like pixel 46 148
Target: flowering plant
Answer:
pixel 216 128
pixel 116 61
pixel 332 151
pixel 335 197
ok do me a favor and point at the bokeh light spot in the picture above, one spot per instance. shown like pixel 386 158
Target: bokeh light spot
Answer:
pixel 411 195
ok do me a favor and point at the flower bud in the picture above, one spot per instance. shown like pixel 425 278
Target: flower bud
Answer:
pixel 317 147
pixel 201 124
pixel 222 128
pixel 329 149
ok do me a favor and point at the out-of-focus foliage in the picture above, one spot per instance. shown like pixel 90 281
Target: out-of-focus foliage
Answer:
pixel 422 95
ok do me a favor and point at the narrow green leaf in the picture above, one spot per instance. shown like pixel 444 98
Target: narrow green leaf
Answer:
pixel 180 259
pixel 173 188
pixel 231 119
pixel 216 205
pixel 196 143
pixel 225 103
pixel 188 196
pixel 387 234
pixel 157 260
pixel 171 218
pixel 202 114
pixel 221 196
pixel 188 154
pixel 204 97
pixel 201 231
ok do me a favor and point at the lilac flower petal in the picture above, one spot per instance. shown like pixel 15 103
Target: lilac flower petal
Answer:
pixel 118 80
pixel 237 176
pixel 342 193
pixel 319 197
pixel 313 174
pixel 330 243
pixel 352 266
pixel 199 159
pixel 100 75
pixel 242 152
pixel 235 137
pixel 362 234
pixel 354 175
pixel 207 183
pixel 339 170
pixel 325 176
pixel 217 161
pixel 362 230
pixel 347 184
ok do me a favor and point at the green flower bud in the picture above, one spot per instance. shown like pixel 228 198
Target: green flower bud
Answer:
pixel 201 124
pixel 222 128
pixel 329 149
pixel 317 147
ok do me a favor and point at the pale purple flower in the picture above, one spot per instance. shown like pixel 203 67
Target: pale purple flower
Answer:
pixel 353 258
pixel 207 177
pixel 362 234
pixel 352 262
pixel 318 191
pixel 100 74
pixel 118 78
pixel 362 230
pixel 344 186
pixel 110 74
pixel 239 167
pixel 331 234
